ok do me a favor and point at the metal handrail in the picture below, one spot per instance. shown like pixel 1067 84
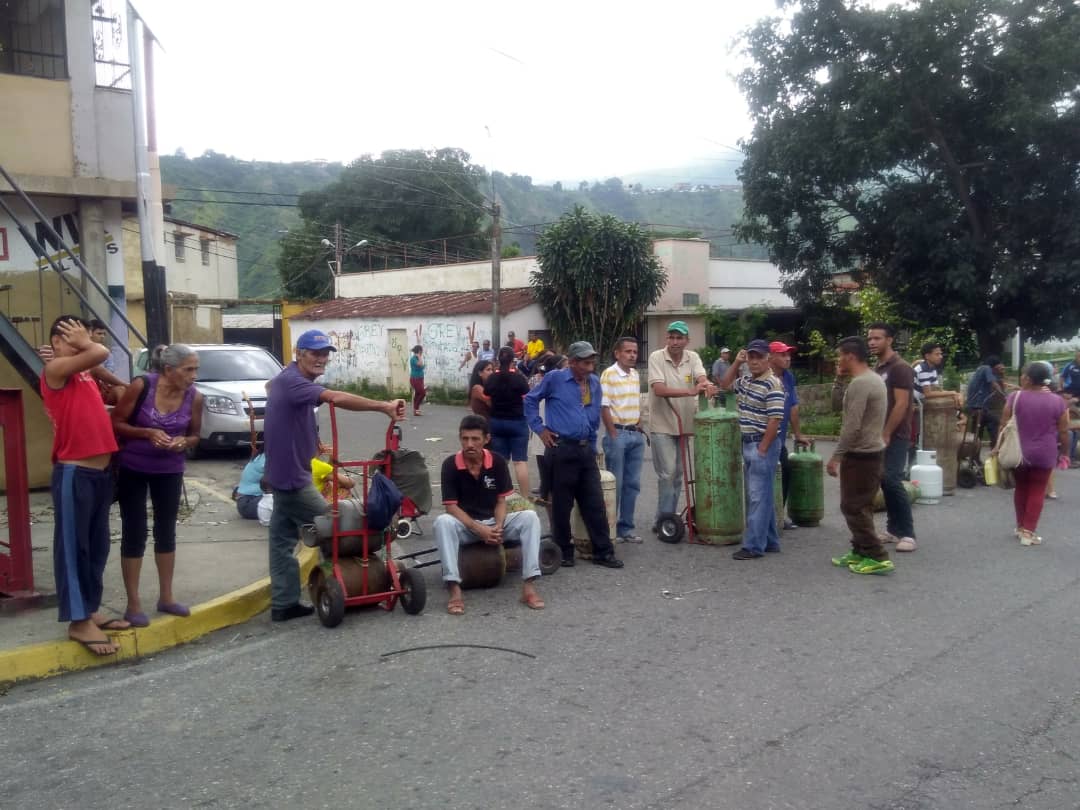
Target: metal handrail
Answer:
pixel 39 249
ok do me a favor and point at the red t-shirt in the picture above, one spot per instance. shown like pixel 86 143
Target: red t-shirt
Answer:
pixel 81 425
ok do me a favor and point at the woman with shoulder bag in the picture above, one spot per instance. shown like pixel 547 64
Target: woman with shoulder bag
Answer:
pixel 1042 426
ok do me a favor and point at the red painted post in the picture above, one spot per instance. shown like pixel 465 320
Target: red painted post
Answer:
pixel 16 566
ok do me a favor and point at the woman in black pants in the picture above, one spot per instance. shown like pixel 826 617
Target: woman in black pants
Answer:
pixel 157 421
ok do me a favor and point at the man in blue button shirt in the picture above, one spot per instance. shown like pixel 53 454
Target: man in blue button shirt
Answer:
pixel 568 431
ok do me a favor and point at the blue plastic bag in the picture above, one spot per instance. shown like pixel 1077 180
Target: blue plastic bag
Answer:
pixel 384 501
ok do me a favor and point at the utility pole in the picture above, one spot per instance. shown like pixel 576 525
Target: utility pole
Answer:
pixel 496 275
pixel 339 248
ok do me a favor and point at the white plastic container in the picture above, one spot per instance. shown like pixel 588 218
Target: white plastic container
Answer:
pixel 929 477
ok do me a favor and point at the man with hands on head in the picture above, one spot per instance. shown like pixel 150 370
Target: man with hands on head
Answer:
pixel 760 400
pixel 83 444
pixel 475 484
pixel 291 440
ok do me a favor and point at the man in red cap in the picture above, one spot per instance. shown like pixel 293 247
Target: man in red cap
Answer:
pixel 780 360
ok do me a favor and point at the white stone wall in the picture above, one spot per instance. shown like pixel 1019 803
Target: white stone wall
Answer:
pixel 363 351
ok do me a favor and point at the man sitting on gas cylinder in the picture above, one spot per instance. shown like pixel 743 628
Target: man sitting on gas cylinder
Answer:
pixel 475 483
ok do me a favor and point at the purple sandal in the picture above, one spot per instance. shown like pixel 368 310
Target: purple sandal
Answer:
pixel 174 609
pixel 139 619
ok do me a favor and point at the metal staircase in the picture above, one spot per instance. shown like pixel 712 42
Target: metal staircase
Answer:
pixel 13 345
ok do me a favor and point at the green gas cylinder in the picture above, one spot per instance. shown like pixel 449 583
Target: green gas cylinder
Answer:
pixel 778 497
pixel 806 496
pixel 718 467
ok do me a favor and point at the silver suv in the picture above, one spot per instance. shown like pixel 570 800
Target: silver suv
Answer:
pixel 228 372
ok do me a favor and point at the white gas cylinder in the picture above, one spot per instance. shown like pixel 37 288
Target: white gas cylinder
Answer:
pixel 927 474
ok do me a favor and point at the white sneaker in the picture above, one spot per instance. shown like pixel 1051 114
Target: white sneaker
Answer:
pixel 906 544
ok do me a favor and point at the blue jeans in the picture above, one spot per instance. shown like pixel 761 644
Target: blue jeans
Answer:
pixel 293 508
pixel 897 505
pixel 524 527
pixel 668 466
pixel 624 455
pixel 760 472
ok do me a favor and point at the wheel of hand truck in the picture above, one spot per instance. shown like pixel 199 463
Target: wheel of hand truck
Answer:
pixel 966 476
pixel 330 602
pixel 414 595
pixel 550 557
pixel 404 528
pixel 670 528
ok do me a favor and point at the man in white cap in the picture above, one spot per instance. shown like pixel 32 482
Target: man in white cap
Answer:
pixel 676 377
pixel 572 397
pixel 291 440
pixel 719 369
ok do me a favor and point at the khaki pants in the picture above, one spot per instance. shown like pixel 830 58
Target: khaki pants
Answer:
pixel 860 478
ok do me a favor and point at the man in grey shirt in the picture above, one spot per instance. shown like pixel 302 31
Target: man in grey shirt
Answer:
pixel 859 456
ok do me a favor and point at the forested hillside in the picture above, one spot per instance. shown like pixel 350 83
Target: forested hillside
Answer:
pixel 257 201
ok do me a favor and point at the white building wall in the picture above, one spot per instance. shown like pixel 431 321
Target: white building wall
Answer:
pixel 363 351
pixel 218 279
pixel 742 283
pixel 436 278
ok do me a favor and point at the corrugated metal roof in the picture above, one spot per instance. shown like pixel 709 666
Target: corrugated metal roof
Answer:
pixel 474 302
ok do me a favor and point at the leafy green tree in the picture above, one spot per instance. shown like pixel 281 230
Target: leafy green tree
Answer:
pixel 394 201
pixel 596 277
pixel 932 147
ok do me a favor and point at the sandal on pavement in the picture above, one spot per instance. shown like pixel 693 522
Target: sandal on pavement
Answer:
pixel 455 607
pixel 115 624
pixel 532 601
pixel 906 544
pixel 95 646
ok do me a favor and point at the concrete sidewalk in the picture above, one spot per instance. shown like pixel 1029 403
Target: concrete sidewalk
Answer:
pixel 221 573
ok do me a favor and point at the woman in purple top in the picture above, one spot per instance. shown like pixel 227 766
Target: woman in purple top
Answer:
pixel 153 441
pixel 1042 422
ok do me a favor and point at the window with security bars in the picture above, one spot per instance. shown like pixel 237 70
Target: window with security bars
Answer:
pixel 33 39
pixel 204 251
pixel 691 299
pixel 178 246
pixel 112 61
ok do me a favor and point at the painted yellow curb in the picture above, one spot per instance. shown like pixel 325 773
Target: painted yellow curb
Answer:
pixel 36 661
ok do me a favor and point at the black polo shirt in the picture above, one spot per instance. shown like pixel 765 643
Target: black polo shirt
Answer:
pixel 476 496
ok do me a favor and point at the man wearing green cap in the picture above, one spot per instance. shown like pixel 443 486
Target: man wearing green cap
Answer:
pixel 676 377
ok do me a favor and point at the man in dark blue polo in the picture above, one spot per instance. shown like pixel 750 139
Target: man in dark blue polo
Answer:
pixel 568 431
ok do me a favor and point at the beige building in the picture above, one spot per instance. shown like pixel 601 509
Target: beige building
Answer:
pixel 67 139
pixel 694 280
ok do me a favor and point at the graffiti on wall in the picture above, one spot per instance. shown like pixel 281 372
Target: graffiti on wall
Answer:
pixel 364 351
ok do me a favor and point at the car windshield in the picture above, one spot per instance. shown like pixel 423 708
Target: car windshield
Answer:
pixel 238 364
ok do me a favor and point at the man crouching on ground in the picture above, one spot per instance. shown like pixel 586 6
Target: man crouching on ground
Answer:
pixel 291 440
pixel 475 483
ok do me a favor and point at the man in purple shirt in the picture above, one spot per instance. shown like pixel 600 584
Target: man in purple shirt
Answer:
pixel 291 440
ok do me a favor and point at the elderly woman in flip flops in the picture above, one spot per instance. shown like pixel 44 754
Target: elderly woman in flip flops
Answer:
pixel 157 421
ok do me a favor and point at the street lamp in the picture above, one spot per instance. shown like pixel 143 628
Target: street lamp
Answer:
pixel 340 254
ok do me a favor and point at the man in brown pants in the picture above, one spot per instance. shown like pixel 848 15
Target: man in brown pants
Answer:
pixel 858 458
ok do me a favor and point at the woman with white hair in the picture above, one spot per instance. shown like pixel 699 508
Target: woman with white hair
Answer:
pixel 156 422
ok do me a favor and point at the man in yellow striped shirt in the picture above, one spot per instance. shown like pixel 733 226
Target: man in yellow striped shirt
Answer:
pixel 623 441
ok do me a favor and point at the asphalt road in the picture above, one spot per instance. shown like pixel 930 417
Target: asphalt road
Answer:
pixel 777 683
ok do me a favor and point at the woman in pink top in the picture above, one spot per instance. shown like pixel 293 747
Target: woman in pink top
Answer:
pixel 1042 422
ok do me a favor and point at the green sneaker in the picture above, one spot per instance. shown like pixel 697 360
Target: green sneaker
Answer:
pixel 848 559
pixel 868 566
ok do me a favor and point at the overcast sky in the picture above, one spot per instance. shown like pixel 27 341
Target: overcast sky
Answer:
pixel 553 89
